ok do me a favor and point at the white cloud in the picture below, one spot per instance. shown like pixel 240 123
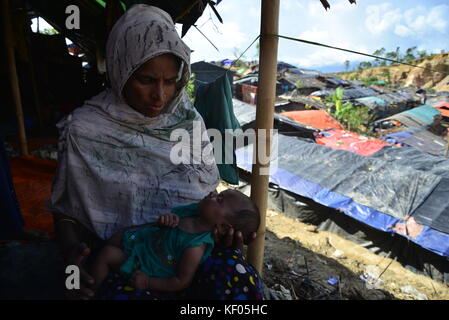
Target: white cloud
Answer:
pixel 364 27
pixel 381 18
pixel 416 21
pixel 402 30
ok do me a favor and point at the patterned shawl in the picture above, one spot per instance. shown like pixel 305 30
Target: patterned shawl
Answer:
pixel 114 168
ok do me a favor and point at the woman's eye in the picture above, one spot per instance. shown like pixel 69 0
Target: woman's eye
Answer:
pixel 144 80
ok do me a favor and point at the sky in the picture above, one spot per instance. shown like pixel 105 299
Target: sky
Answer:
pixel 366 26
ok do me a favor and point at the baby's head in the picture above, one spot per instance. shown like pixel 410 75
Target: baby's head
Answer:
pixel 231 208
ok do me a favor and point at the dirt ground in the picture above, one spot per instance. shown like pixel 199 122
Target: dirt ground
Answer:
pixel 304 261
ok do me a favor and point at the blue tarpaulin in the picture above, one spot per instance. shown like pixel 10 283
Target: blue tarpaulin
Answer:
pixel 375 190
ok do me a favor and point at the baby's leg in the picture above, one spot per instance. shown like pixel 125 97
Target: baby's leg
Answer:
pixel 110 257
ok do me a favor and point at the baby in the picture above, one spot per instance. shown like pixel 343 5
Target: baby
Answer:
pixel 166 255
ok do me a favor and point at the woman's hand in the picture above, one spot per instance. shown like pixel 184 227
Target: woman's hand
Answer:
pixel 139 280
pixel 76 256
pixel 232 239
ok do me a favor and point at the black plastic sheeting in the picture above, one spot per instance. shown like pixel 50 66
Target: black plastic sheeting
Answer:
pixel 394 246
pixel 384 186
pixel 434 211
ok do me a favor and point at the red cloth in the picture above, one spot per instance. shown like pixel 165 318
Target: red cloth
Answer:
pixel 318 119
pixel 32 178
pixel 350 141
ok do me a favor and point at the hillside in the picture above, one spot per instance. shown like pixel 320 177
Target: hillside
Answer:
pixel 404 76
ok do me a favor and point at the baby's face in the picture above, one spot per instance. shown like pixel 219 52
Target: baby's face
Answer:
pixel 216 207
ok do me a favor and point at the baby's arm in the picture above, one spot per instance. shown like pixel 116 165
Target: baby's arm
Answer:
pixel 187 267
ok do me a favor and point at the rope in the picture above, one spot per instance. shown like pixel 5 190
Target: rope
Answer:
pixel 337 48
pixel 238 59
pixel 352 51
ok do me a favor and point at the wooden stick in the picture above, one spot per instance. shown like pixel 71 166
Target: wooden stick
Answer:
pixel 12 70
pixel 266 93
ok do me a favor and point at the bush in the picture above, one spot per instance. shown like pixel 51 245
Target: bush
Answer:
pixel 352 117
pixel 190 88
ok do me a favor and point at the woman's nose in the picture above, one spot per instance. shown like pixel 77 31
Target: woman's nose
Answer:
pixel 159 92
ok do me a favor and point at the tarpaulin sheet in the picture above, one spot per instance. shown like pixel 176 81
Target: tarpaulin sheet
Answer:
pixel 350 141
pixel 372 102
pixel 443 107
pixel 318 119
pixel 425 113
pixel 421 139
pixel 410 255
pixel 423 116
pixel 246 115
pixel 376 192
pixel 353 93
pixel 396 137
pixel 434 211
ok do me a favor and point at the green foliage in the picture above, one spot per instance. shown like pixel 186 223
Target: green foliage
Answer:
pixel 369 81
pixel 299 84
pixel 190 88
pixel 409 55
pixel 239 63
pixel 431 90
pixel 349 115
pixel 49 31
pixel 386 74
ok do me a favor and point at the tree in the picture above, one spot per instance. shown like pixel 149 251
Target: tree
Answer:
pixel 347 63
pixel 49 31
pixel 409 54
pixel 386 74
pixel 239 63
pixel 380 53
pixel 422 54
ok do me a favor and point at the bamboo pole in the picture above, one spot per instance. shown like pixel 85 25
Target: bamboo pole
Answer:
pixel 266 93
pixel 11 62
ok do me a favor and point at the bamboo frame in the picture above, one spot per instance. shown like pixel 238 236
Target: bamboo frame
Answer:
pixel 11 62
pixel 264 120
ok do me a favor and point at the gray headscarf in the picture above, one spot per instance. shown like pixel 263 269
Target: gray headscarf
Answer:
pixel 114 166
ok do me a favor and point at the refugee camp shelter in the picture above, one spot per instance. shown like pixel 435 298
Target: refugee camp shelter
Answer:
pixel 367 187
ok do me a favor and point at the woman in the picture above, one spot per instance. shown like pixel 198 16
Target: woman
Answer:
pixel 116 167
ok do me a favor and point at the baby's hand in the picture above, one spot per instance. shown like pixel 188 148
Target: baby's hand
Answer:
pixel 169 220
pixel 139 280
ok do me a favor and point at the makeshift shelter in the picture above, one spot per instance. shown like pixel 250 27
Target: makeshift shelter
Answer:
pixel 418 138
pixel 381 190
pixel 318 119
pixel 417 117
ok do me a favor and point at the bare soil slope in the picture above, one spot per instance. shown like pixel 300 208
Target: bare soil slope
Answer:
pixel 303 260
pixel 404 76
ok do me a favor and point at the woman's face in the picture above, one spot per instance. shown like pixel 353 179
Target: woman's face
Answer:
pixel 152 85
